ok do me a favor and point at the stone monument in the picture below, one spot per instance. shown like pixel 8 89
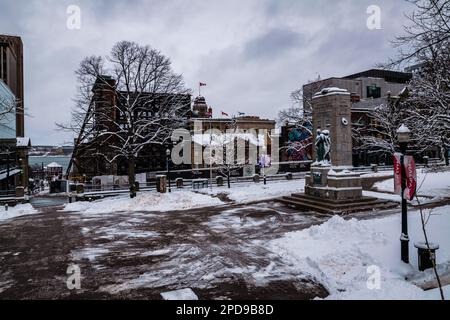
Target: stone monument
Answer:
pixel 329 177
pixel 331 186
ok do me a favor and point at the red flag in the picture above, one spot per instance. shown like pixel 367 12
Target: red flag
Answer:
pixel 201 84
pixel 225 114
pixel 397 174
pixel 411 178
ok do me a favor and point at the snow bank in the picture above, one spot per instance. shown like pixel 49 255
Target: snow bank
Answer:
pixel 145 201
pixel 343 254
pixel 16 211
pixel 432 183
pixel 182 294
pixel 258 191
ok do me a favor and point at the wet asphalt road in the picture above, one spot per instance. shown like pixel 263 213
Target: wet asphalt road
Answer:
pixel 218 252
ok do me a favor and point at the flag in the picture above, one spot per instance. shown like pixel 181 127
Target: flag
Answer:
pixel 411 178
pixel 225 114
pixel 397 173
pixel 201 84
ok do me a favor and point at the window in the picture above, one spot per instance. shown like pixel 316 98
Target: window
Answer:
pixel 3 64
pixel 373 91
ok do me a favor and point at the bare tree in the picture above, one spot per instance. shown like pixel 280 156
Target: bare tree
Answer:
pixel 425 107
pixel 226 150
pixel 429 102
pixel 299 115
pixel 428 31
pixel 426 42
pixel 7 109
pixel 150 101
pixel 378 132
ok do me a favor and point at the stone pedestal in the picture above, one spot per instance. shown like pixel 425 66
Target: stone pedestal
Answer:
pixel 326 183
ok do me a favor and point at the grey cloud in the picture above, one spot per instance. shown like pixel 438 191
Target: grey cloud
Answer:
pixel 251 53
pixel 273 44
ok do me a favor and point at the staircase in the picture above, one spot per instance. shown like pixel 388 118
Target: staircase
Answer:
pixel 303 201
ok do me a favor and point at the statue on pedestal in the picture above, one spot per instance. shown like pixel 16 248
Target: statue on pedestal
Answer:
pixel 320 147
pixel 323 147
pixel 327 146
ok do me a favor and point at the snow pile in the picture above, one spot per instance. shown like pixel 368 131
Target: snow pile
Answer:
pixel 431 183
pixel 345 255
pixel 182 294
pixel 16 211
pixel 146 201
pixel 258 191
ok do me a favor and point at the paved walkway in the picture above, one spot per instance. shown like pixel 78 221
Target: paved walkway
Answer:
pixel 217 252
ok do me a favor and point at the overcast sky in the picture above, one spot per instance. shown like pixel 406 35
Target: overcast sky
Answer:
pixel 251 53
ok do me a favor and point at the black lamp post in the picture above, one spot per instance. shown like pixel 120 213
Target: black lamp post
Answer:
pixel 404 134
pixel 168 167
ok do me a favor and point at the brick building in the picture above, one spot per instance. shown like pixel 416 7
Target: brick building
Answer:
pixel 107 115
pixel 13 143
pixel 11 72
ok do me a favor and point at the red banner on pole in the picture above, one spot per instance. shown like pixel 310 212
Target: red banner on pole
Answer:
pixel 397 174
pixel 411 178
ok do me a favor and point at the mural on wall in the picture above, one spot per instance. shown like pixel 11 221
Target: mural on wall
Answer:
pixel 298 146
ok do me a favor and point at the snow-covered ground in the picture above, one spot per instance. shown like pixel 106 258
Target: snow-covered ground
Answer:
pixel 186 199
pixel 344 254
pixel 145 201
pixel 16 211
pixel 435 184
pixel 258 191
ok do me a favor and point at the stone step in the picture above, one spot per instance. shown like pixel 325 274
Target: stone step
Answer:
pixel 336 208
pixel 306 196
pixel 303 205
pixel 335 204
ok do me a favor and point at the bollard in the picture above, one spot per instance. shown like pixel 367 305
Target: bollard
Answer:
pixel 161 183
pixel 219 181
pixel 426 258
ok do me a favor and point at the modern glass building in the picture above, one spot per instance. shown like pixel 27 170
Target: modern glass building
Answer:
pixel 7 112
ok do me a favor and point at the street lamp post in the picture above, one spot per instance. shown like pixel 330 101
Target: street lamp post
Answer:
pixel 403 134
pixel 168 167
